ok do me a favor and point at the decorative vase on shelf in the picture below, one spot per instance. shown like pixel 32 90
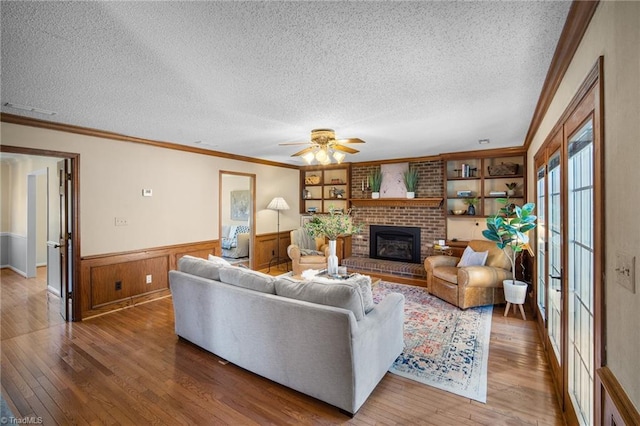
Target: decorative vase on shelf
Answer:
pixel 375 195
pixel 332 260
pixel 471 211
pixel 511 192
pixel 411 194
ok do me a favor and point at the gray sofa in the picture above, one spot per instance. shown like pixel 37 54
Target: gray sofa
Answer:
pixel 326 340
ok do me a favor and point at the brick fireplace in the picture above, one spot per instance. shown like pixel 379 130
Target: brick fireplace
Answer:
pixel 430 220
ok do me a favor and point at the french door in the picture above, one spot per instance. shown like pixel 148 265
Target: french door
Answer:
pixel 569 261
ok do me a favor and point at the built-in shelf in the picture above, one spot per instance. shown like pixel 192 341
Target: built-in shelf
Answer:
pixel 397 202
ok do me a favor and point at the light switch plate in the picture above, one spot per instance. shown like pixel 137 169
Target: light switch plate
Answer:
pixel 625 270
pixel 147 192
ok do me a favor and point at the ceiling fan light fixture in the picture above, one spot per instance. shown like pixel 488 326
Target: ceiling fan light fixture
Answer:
pixel 322 156
pixel 339 156
pixel 309 157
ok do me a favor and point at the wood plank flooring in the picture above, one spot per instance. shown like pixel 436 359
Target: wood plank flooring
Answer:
pixel 128 367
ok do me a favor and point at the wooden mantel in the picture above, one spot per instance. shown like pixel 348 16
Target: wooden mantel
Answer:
pixel 397 202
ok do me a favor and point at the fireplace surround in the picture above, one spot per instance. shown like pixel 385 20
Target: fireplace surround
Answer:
pixel 396 243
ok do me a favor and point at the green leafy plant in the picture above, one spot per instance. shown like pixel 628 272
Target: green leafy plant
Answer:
pixel 508 229
pixel 332 225
pixel 472 201
pixel 375 179
pixel 511 185
pixel 411 179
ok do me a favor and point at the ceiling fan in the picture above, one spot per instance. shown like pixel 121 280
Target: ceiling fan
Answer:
pixel 323 146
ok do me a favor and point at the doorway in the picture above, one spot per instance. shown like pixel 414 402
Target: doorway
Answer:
pixel 569 287
pixel 37 180
pixel 236 214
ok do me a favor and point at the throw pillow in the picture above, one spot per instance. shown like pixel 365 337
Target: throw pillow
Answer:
pixel 339 294
pixel 473 258
pixel 200 267
pixel 363 283
pixel 247 278
pixel 218 260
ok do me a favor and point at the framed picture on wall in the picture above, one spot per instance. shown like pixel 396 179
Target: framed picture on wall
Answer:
pixel 240 205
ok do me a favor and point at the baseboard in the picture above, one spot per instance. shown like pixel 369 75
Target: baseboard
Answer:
pixel 17 271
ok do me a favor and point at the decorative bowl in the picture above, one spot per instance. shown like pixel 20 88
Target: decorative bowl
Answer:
pixel 458 212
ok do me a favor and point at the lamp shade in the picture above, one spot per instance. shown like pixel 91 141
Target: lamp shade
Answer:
pixel 278 203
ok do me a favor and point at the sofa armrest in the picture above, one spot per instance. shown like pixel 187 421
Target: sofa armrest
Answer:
pixel 481 276
pixel 378 339
pixel 440 260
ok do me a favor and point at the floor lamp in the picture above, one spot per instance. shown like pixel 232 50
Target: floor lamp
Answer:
pixel 277 204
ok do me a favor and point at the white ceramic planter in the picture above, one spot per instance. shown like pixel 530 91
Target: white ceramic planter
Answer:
pixel 515 293
pixel 375 195
pixel 411 195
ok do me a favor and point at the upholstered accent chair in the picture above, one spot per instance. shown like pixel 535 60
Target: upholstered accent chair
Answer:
pixel 235 241
pixel 469 286
pixel 307 252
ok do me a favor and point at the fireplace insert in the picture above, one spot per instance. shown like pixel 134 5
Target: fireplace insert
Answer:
pixel 399 243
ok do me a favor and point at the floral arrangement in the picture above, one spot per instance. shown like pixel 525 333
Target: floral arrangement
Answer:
pixel 332 225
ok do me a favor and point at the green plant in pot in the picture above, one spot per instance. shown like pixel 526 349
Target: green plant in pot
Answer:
pixel 508 229
pixel 511 188
pixel 332 226
pixel 411 181
pixel 472 203
pixel 375 181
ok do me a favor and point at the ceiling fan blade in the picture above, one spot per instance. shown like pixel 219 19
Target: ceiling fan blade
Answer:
pixel 294 143
pixel 344 149
pixel 302 152
pixel 350 140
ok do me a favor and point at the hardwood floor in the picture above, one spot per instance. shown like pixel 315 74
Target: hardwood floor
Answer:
pixel 128 367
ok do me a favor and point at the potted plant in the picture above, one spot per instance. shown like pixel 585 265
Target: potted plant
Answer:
pixel 508 229
pixel 511 188
pixel 411 181
pixel 375 181
pixel 331 226
pixel 471 202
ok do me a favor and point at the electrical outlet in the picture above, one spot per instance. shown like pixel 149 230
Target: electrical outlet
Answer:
pixel 149 279
pixel 626 271
pixel 121 221
pixel 118 285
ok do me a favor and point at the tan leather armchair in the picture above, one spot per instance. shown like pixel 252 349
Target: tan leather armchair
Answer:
pixel 469 286
pixel 307 252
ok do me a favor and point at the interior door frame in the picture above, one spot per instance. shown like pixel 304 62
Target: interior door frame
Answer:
pixel 75 218
pixel 252 224
pixel 587 104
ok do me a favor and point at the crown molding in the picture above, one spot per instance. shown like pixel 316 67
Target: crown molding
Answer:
pixel 578 19
pixel 61 127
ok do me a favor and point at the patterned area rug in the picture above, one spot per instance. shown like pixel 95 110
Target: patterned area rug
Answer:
pixel 445 347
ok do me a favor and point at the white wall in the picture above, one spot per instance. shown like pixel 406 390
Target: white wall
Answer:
pixel 232 183
pixel 614 32
pixel 13 226
pixel 184 205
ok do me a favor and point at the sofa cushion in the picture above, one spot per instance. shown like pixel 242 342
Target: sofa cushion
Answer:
pixel 447 273
pixel 200 267
pixel 341 294
pixel 247 278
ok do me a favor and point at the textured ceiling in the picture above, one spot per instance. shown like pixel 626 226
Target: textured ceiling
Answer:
pixel 409 78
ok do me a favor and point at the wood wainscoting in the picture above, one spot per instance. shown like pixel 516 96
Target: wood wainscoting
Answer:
pixel 617 408
pixel 118 280
pixel 266 248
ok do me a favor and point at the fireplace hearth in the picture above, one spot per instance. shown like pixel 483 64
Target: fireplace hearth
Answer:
pixel 399 243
